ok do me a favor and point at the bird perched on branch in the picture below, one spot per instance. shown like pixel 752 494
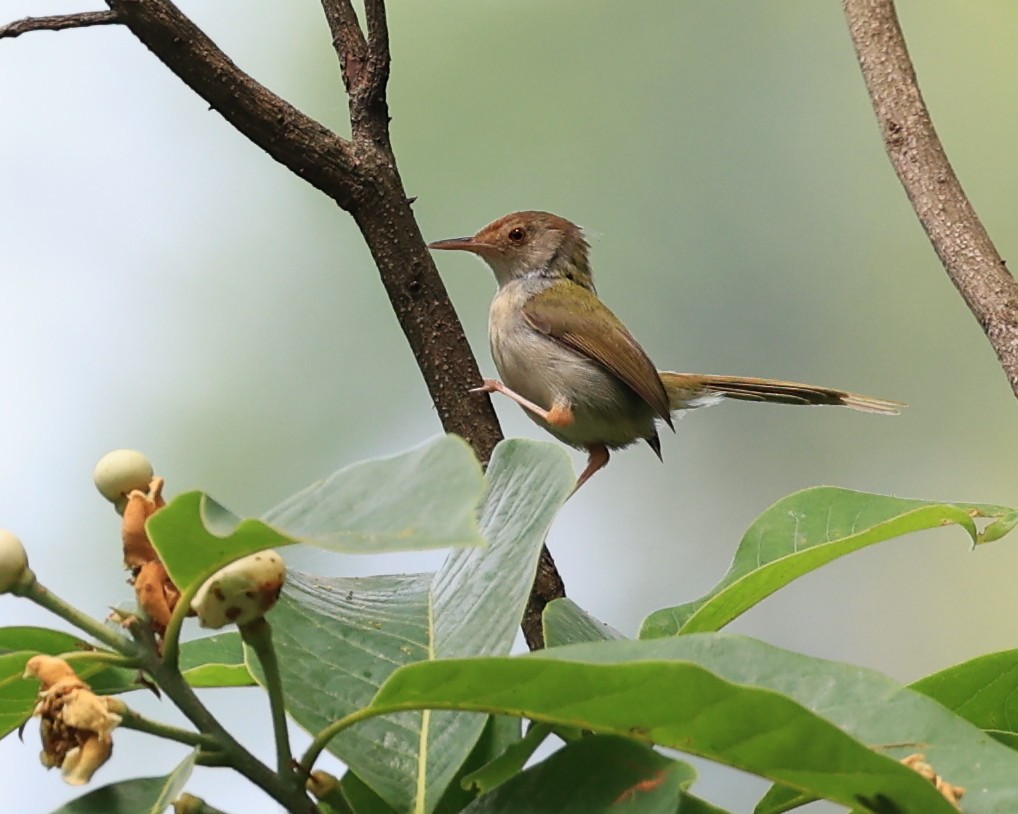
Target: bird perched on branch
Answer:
pixel 571 363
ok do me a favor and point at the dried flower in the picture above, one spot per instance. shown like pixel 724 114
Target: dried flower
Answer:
pixel 76 724
pixel 950 792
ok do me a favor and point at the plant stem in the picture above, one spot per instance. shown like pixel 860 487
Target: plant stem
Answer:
pixel 258 635
pixel 139 723
pixel 171 682
pixel 322 739
pixel 103 657
pixel 171 638
pixel 45 598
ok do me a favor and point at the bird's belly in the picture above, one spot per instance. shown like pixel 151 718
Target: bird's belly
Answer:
pixel 539 368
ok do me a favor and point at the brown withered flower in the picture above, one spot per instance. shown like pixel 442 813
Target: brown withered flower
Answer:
pixel 76 724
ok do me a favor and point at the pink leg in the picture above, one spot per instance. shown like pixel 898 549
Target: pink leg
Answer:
pixel 597 458
pixel 558 415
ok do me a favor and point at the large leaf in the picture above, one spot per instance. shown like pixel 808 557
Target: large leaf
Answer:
pixel 143 795
pixel 820 727
pixel 598 775
pixel 339 639
pixel 426 498
pixel 983 691
pixel 807 530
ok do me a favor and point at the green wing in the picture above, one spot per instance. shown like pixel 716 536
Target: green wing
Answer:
pixel 580 321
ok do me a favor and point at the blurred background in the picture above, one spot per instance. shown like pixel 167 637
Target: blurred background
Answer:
pixel 167 286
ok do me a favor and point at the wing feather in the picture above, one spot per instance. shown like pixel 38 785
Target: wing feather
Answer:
pixel 575 317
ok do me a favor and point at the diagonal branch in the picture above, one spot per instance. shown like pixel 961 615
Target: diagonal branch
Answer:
pixel 59 22
pixel 958 236
pixel 292 138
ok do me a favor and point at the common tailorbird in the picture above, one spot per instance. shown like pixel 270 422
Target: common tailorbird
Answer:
pixel 571 363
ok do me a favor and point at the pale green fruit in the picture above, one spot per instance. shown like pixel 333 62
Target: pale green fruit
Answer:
pixel 13 560
pixel 120 472
pixel 240 592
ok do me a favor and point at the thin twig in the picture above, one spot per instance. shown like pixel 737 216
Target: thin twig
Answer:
pixel 347 39
pixel 958 236
pixel 58 22
pixel 377 74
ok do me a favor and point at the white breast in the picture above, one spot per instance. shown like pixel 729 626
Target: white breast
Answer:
pixel 546 372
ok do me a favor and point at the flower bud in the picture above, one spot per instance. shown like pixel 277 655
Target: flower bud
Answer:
pixel 13 560
pixel 120 472
pixel 242 591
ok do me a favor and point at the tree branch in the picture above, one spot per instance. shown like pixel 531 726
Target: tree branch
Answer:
pixel 292 138
pixel 959 238
pixel 361 176
pixel 83 19
pixel 347 39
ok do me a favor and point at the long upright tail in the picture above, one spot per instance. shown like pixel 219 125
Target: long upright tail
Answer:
pixel 688 390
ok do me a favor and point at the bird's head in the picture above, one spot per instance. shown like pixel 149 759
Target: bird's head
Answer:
pixel 529 243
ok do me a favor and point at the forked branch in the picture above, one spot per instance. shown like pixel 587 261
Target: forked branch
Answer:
pixel 359 174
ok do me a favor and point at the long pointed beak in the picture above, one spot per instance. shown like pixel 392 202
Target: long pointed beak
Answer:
pixel 463 244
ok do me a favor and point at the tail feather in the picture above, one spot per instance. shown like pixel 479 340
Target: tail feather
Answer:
pixel 688 390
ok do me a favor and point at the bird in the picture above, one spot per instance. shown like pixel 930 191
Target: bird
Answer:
pixel 574 367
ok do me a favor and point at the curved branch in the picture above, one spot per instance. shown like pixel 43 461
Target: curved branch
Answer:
pixel 308 148
pixel 59 22
pixel 958 236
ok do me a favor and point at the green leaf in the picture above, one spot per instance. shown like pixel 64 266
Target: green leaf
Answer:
pixel 743 703
pixel 597 775
pixel 360 798
pixel 338 639
pixel 983 691
pixel 499 735
pixel 39 640
pixel 507 764
pixel 102 678
pixel 780 799
pixel 144 795
pixel 807 530
pixel 17 696
pixel 565 622
pixel 423 499
pixel 215 661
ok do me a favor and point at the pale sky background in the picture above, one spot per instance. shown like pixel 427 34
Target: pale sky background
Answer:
pixel 167 286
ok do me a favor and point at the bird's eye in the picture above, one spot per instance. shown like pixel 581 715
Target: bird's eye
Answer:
pixel 516 235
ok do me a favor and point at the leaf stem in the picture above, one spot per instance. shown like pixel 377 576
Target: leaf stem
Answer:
pixel 322 739
pixel 258 636
pixel 171 638
pixel 234 755
pixel 33 590
pixel 139 723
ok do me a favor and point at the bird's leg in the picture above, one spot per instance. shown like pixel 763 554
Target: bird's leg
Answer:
pixel 597 458
pixel 560 415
